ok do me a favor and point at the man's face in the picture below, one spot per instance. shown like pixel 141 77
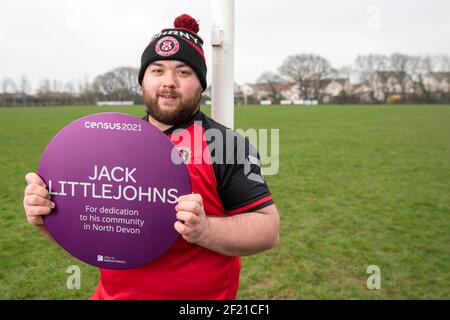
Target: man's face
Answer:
pixel 172 91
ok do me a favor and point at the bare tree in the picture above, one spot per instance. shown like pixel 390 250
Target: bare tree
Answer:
pixel 24 90
pixel 25 86
pixel 119 84
pixel 345 72
pixel 367 65
pixel 88 91
pixel 44 92
pixel 307 70
pixel 404 67
pixel 129 77
pixel 425 66
pixel 441 63
pixel 9 86
pixel 106 83
pixel 69 87
pixel 368 68
pixel 9 89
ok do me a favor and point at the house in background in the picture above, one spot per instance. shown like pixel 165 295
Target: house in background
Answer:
pixel 332 90
pixel 437 81
pixel 254 93
pixel 361 92
pixel 387 84
pixel 382 87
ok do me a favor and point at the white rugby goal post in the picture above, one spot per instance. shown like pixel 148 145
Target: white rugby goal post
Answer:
pixel 222 41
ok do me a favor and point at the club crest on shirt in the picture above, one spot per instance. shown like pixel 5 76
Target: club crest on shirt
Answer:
pixel 167 46
pixel 185 154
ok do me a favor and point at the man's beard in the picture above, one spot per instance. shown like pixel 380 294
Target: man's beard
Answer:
pixel 182 113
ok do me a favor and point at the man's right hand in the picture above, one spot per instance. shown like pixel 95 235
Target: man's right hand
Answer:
pixel 37 200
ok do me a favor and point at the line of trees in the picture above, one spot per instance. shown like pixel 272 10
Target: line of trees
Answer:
pixel 119 84
pixel 413 77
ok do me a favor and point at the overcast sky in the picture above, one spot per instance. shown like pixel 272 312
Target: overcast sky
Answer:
pixel 71 39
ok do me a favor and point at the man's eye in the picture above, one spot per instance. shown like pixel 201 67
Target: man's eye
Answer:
pixel 184 72
pixel 156 71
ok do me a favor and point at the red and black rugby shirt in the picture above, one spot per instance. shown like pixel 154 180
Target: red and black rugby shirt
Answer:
pixel 228 176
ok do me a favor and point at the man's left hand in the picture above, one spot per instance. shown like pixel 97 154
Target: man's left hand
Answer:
pixel 192 223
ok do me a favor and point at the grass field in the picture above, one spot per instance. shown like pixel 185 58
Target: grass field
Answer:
pixel 357 186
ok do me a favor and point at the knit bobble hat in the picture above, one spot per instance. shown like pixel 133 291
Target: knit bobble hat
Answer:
pixel 179 43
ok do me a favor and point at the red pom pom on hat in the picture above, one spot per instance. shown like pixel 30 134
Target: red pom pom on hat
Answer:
pixel 186 22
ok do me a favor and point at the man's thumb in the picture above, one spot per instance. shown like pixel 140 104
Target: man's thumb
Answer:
pixel 32 177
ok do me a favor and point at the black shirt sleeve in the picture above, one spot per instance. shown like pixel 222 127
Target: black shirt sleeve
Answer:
pixel 241 185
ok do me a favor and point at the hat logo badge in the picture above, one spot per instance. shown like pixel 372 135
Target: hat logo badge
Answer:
pixel 167 46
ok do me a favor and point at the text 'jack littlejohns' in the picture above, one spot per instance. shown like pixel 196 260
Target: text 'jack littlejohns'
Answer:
pixel 111 191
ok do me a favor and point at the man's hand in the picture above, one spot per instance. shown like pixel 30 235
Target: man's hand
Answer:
pixel 237 235
pixel 37 200
pixel 192 224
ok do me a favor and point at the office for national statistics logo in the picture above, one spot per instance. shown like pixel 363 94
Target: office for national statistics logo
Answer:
pixel 101 258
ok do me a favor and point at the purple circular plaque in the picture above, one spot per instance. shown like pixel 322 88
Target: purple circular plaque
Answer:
pixel 115 180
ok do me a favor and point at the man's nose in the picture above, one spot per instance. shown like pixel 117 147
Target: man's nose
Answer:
pixel 170 80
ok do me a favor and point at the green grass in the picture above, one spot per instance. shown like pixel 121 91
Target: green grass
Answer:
pixel 357 186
